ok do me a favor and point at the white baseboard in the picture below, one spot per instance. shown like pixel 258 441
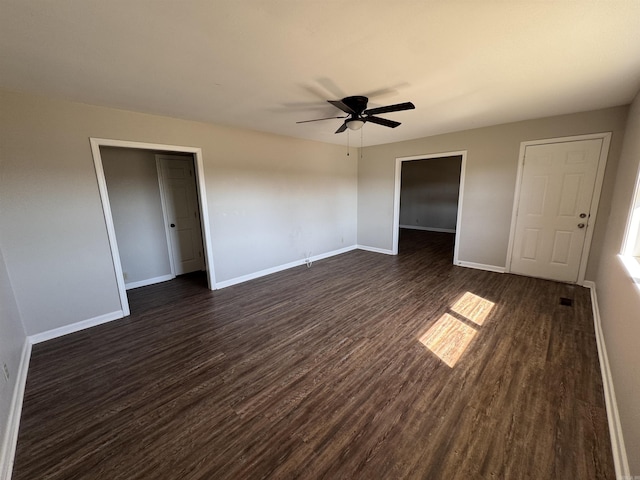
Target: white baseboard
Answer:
pixel 620 461
pixel 279 268
pixel 429 229
pixel 10 438
pixel 75 327
pixel 375 250
pixel 333 253
pixel 148 281
pixel 481 266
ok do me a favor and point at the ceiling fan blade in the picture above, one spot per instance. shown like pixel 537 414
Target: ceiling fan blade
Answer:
pixel 318 119
pixel 382 121
pixel 330 86
pixel 383 92
pixel 338 103
pixel 342 128
pixel 390 108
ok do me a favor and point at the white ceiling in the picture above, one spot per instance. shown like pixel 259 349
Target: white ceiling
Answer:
pixel 265 64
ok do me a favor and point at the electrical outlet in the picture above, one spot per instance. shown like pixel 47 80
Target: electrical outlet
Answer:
pixel 5 372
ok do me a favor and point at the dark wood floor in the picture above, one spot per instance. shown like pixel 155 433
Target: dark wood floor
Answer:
pixel 327 372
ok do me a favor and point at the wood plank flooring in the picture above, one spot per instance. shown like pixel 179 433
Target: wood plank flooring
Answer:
pixel 325 372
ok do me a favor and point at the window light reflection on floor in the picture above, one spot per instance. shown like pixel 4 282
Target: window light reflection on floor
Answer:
pixel 449 337
pixel 472 307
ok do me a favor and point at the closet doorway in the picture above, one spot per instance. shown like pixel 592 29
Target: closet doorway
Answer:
pixel 145 245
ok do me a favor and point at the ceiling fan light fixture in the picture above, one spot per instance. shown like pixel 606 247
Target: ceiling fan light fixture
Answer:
pixel 355 124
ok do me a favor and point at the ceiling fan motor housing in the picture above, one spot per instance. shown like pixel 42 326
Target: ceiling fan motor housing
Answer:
pixel 357 103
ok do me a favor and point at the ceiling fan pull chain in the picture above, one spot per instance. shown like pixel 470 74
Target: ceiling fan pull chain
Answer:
pixel 347 143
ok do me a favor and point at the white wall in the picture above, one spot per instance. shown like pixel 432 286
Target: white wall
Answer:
pixel 271 201
pixel 490 178
pixel 619 296
pixel 134 196
pixel 429 193
pixel 12 340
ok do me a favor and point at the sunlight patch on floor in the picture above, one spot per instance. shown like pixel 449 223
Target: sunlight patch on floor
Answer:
pixel 448 338
pixel 473 307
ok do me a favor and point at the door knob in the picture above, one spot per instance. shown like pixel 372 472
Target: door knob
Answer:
pixel 583 215
pixel 173 225
pixel 581 225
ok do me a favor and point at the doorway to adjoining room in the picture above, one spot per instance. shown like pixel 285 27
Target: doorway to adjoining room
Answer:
pixel 428 192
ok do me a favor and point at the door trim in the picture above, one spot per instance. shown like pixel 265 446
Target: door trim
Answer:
pixel 96 143
pixel 595 200
pixel 396 196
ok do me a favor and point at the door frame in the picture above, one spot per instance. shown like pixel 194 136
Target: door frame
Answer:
pixel 595 199
pixel 96 143
pixel 398 186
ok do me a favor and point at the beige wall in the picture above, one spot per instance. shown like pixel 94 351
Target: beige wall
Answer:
pixel 619 296
pixel 489 183
pixel 271 200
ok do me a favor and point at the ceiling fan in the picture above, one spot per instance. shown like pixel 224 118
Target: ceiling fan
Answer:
pixel 358 114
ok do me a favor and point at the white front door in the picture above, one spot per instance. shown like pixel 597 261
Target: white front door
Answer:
pixel 180 205
pixel 553 212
